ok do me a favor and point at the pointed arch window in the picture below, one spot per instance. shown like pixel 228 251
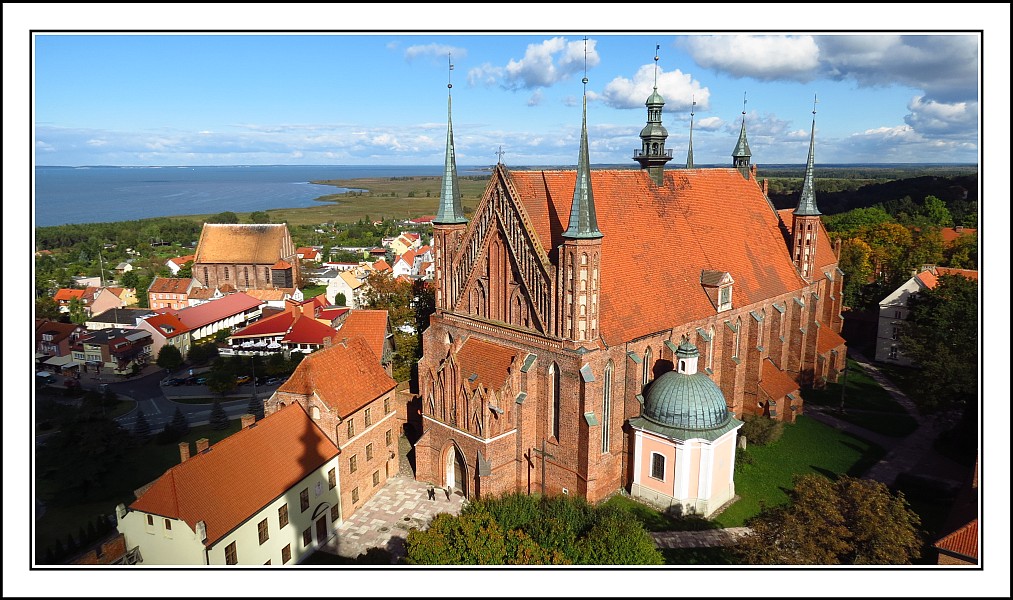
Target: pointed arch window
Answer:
pixel 738 336
pixel 647 366
pixel 710 350
pixel 554 400
pixel 761 327
pixel 606 409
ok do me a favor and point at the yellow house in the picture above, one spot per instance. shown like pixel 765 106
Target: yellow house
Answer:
pixel 267 495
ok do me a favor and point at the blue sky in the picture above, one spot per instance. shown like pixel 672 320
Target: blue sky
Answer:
pixel 344 98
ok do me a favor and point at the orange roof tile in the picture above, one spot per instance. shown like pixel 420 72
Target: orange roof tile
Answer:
pixel 240 475
pixel 276 324
pixel 488 361
pixel 408 258
pixel 370 325
pixel 162 320
pixel 181 260
pixel 928 279
pixel 281 265
pixel 775 382
pixel 963 541
pixel 250 244
pixel 950 234
pixel 381 265
pixel 828 340
pixel 201 294
pixel 968 273
pixel 170 285
pixel 345 376
pixel 717 219
pixel 65 294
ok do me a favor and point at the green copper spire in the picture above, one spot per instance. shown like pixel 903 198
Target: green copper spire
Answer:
pixel 807 201
pixel 652 154
pixel 450 211
pixel 583 220
pixel 689 155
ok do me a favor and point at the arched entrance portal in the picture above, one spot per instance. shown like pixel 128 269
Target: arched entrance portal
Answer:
pixel 456 471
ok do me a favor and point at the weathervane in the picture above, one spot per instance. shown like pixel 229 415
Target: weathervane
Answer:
pixel 451 63
pixel 657 49
pixel 743 103
pixel 584 80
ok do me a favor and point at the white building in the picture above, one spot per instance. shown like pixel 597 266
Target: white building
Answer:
pixel 266 495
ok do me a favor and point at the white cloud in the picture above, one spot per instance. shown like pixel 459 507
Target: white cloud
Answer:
pixel 709 123
pixel 759 56
pixel 436 51
pixel 543 65
pixel 535 99
pixel 940 118
pixel 677 88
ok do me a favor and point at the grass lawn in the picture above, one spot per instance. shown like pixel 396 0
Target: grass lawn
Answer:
pixel 866 404
pixel 806 447
pixel 655 520
pixel 698 556
pixel 906 379
pixel 66 514
pixel 312 291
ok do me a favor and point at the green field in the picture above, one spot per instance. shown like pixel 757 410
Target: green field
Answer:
pixel 866 404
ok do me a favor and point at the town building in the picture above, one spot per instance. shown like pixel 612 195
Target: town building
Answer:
pixel 350 398
pixel 124 318
pixel 246 256
pixel 166 329
pixel 115 351
pixel 554 312
pixel 227 313
pixel 172 292
pixel 266 495
pixel 893 311
pixel 177 263
pixel 296 329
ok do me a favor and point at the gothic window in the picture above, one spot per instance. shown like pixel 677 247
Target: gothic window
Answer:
pixel 606 408
pixel 554 399
pixel 206 280
pixel 583 259
pixel 226 272
pixel 760 327
pixel 738 336
pixel 893 352
pixel 710 350
pixel 647 366
pixel 246 275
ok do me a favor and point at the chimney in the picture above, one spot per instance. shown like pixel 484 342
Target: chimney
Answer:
pixel 184 451
pixel 202 445
pixel 764 187
pixel 328 341
pixel 248 420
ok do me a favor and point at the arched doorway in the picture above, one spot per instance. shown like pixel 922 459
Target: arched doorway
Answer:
pixel 456 471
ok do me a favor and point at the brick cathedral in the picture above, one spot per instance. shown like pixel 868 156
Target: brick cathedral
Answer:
pixel 568 293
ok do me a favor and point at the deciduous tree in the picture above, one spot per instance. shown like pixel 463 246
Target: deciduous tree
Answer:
pixel 169 357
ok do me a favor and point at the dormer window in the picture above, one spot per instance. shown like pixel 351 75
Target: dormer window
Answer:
pixel 718 287
pixel 725 298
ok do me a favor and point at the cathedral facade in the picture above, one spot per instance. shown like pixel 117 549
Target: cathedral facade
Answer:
pixel 568 292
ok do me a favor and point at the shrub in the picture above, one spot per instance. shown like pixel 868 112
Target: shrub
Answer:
pixel 761 430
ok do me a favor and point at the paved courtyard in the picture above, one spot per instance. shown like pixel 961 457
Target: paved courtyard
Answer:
pixel 384 521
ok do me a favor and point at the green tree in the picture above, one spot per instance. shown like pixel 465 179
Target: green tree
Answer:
pixel 340 300
pixel 936 212
pixel 890 244
pixel 926 247
pixel 77 311
pixel 186 271
pixel 46 308
pixel 169 357
pixel 856 263
pixel 87 451
pixel 142 429
pixel 221 382
pixel 227 217
pixel 131 279
pixel 472 538
pixel 941 335
pixel 616 539
pixel 962 254
pixel 848 521
pixel 219 419
pixel 256 408
pixel 259 216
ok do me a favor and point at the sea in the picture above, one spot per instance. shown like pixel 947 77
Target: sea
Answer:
pixel 64 195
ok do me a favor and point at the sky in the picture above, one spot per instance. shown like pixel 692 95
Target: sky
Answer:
pixel 346 98
pixel 373 91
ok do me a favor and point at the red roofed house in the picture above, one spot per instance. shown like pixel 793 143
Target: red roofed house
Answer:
pixel 374 327
pixel 307 253
pixel 553 316
pixel 175 264
pixel 116 351
pixel 950 234
pixel 171 292
pixel 959 545
pixel 63 296
pixel 351 399
pixel 166 328
pixel 893 311
pixel 203 320
pixel 266 495
pixel 295 330
pixel 246 256
pixel 405 264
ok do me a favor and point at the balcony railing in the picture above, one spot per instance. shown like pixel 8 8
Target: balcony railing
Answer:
pixel 641 154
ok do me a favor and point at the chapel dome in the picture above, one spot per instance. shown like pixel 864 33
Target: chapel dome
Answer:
pixel 686 400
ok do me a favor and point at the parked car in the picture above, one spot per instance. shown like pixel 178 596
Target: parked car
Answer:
pixel 243 379
pixel 171 381
pixel 201 380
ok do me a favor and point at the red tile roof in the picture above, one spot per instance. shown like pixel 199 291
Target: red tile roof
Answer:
pixel 345 376
pixel 927 278
pixel 170 285
pixel 968 273
pixel 273 325
pixel 381 265
pixel 244 244
pixel 65 294
pixel 179 261
pixel 307 252
pixel 828 340
pixel 281 265
pixel 240 475
pixel 490 362
pixel 715 218
pixel 370 325
pixel 306 330
pixel 216 310
pixel 167 320
pixel 950 234
pixel 963 541
pixel 59 331
pixel 408 258
pixel 331 313
pixel 775 382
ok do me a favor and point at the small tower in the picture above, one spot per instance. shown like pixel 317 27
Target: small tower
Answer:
pixel 689 155
pixel 580 252
pixel 652 154
pixel 805 220
pixel 449 224
pixel 741 154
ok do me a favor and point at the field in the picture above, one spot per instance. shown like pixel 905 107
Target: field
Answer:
pixel 374 199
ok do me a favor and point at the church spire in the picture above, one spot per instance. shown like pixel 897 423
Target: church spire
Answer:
pixel 741 154
pixel 652 154
pixel 583 220
pixel 450 211
pixel 807 201
pixel 689 155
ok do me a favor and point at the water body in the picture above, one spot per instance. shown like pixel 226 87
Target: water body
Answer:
pixel 65 195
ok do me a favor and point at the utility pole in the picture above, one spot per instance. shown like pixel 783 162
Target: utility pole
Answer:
pixel 544 455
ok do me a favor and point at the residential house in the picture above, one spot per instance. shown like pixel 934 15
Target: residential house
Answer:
pixel 170 292
pixel 266 495
pixel 959 543
pixel 205 320
pixel 893 311
pixel 320 276
pixel 405 242
pixel 177 263
pixel 83 281
pixel 308 253
pixel 351 399
pixel 124 318
pixel 102 299
pixel 124 267
pixel 127 296
pixel 53 343
pixel 405 264
pixel 276 298
pixel 295 330
pixel 166 329
pixel 350 284
pixel 64 295
pixel 373 326
pixel 424 220
pixel 117 351
pixel 246 256
pixel 951 234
